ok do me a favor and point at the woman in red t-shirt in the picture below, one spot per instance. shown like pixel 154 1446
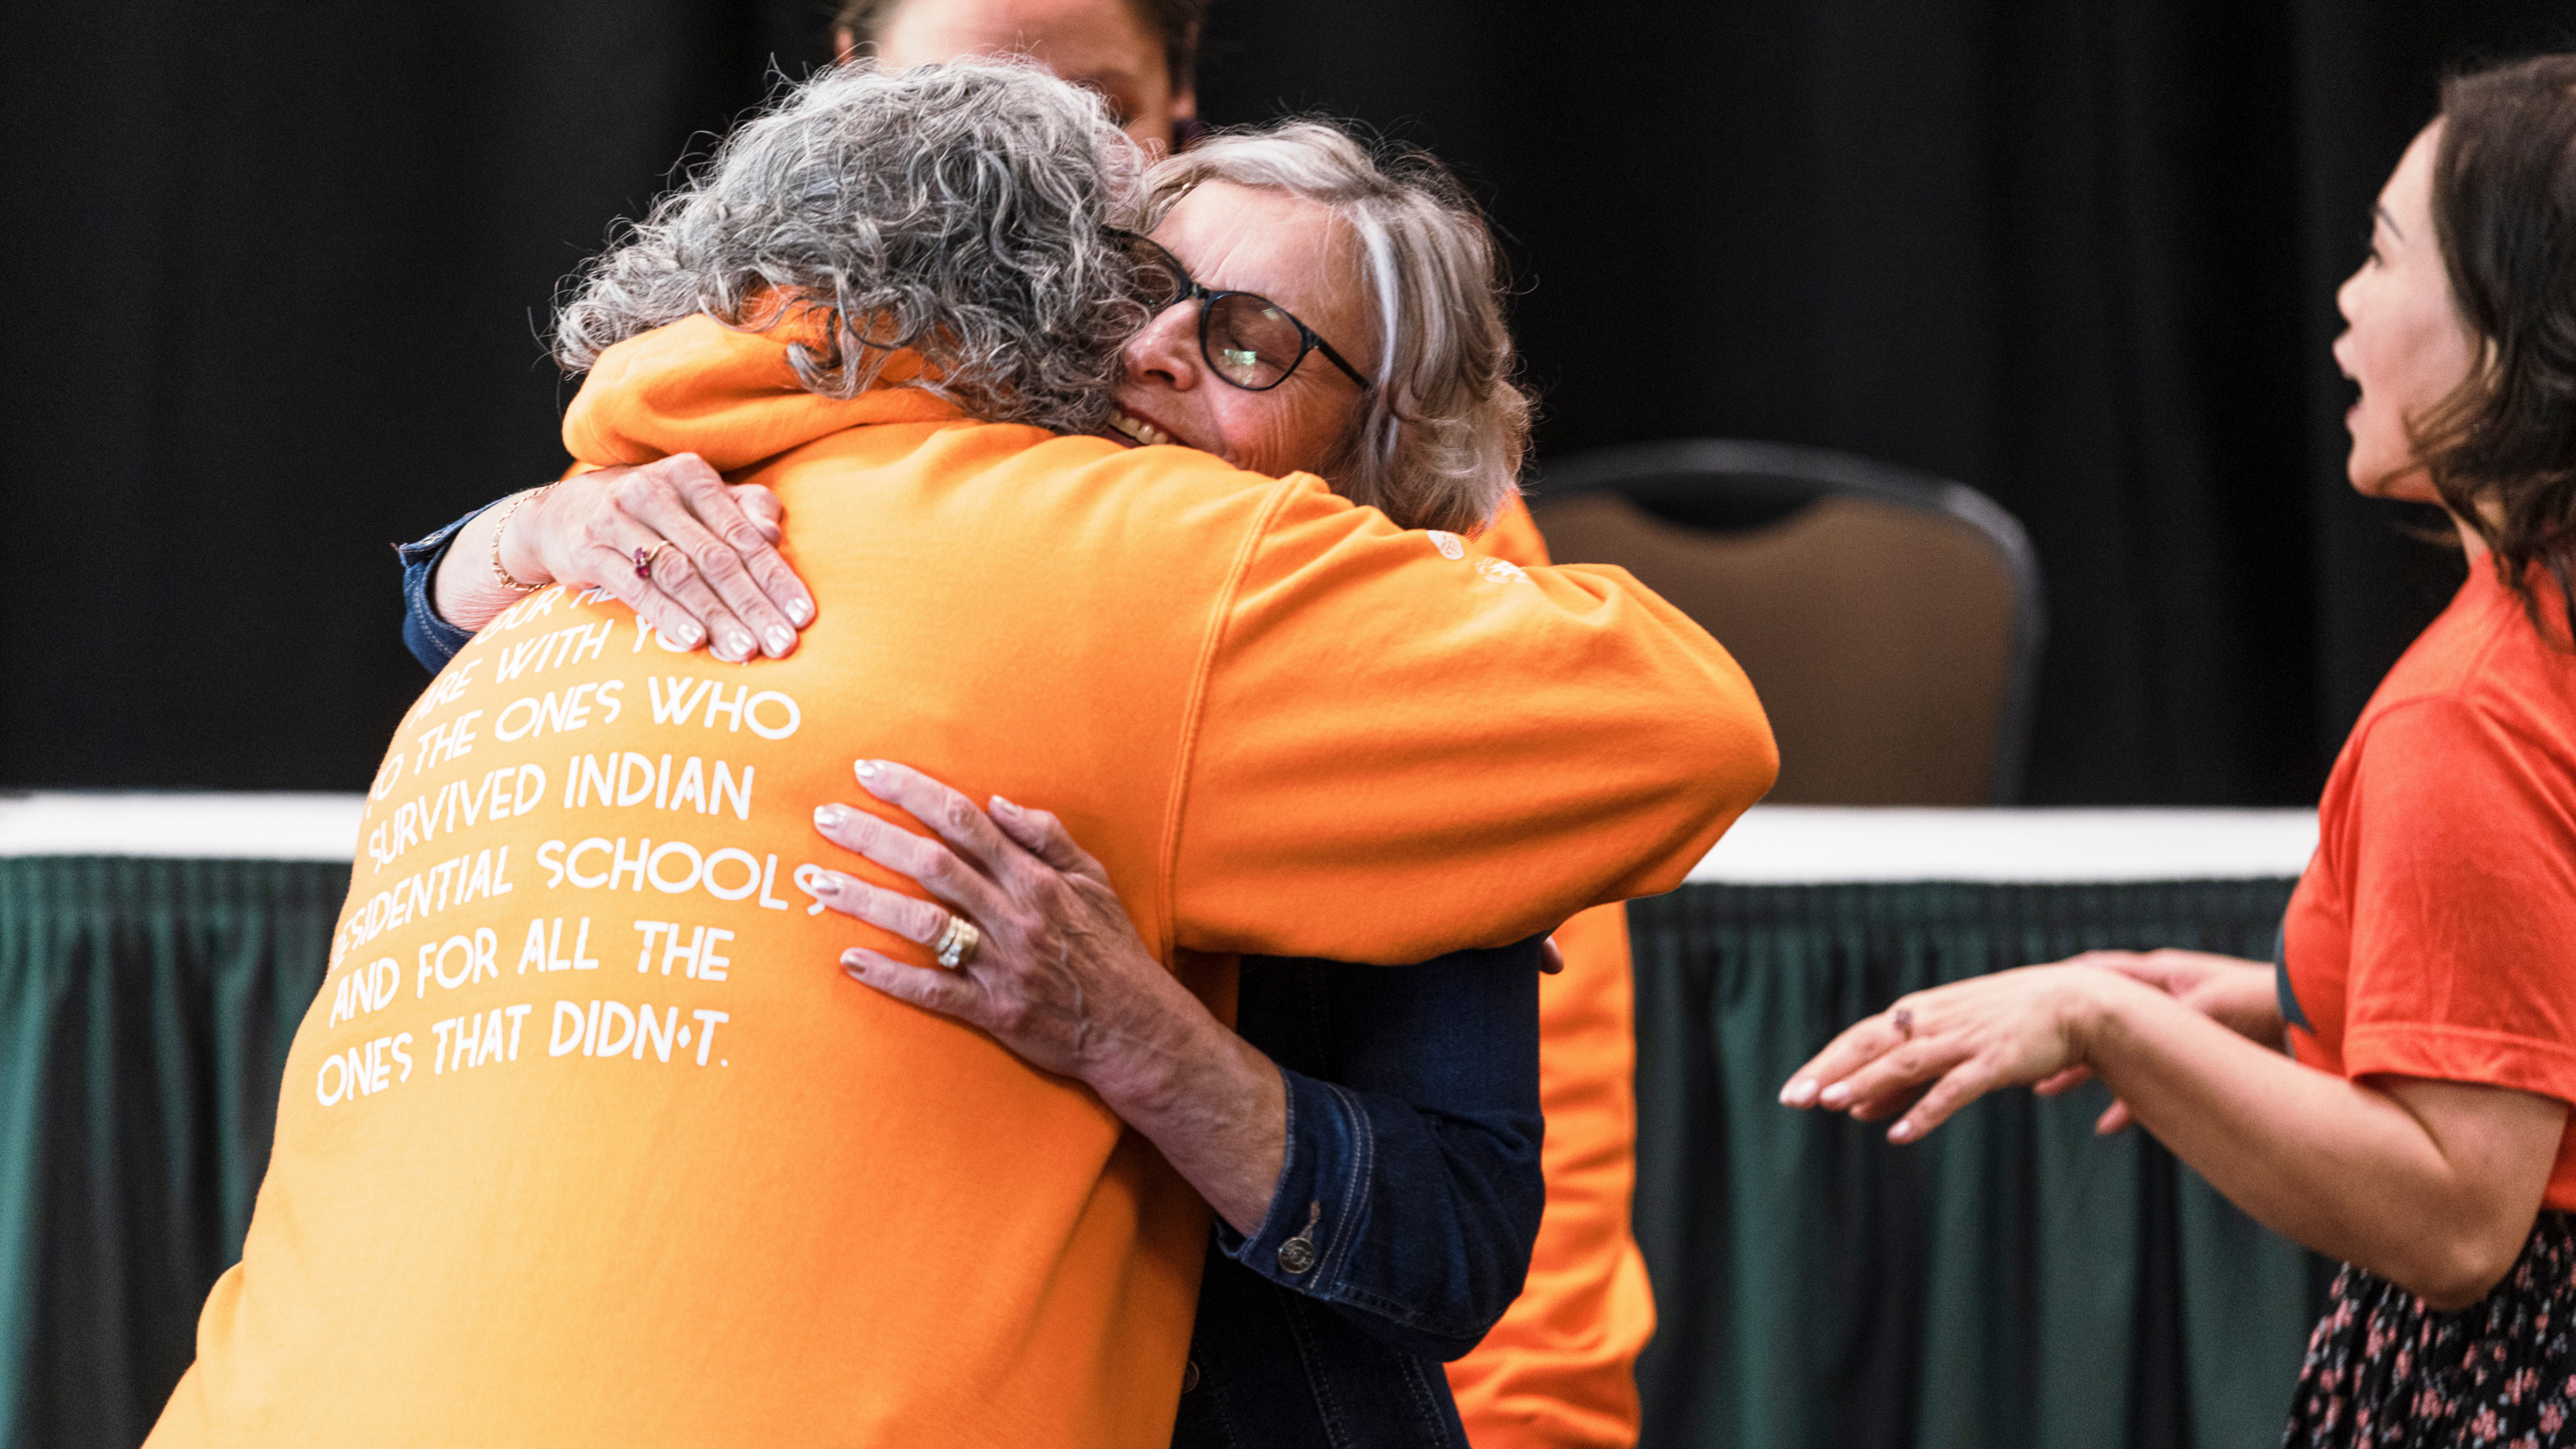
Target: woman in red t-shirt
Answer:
pixel 2428 981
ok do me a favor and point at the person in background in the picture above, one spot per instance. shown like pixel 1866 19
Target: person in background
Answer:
pixel 2419 1130
pixel 1559 1369
pixel 1142 56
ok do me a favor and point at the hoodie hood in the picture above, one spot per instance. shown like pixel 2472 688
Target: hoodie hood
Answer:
pixel 725 394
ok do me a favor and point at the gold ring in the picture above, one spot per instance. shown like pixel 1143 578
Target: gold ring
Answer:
pixel 644 558
pixel 956 945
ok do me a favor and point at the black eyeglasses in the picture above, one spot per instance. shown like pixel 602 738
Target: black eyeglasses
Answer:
pixel 1247 339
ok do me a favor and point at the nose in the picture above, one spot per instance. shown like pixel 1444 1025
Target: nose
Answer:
pixel 1166 349
pixel 2347 297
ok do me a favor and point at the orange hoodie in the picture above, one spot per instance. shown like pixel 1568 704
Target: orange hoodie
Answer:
pixel 586 1139
pixel 1560 1370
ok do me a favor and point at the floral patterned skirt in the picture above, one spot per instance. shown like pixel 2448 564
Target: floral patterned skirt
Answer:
pixel 2383 1370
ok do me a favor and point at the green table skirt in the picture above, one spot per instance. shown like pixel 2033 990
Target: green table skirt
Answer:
pixel 2010 1282
pixel 145 1011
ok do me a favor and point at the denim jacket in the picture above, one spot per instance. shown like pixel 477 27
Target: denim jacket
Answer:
pixel 1405 1212
pixel 1407 1204
pixel 430 638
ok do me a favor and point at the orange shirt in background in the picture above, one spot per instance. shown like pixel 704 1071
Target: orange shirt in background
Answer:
pixel 587 1141
pixel 2431 936
pixel 1559 1370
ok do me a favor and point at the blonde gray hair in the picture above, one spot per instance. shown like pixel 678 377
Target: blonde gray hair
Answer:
pixel 961 211
pixel 1438 441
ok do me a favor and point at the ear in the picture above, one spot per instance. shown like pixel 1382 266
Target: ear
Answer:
pixel 845 46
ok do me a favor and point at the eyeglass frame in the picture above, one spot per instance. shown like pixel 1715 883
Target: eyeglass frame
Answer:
pixel 1194 290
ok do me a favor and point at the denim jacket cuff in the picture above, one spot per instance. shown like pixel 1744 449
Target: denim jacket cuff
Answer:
pixel 1303 1245
pixel 433 640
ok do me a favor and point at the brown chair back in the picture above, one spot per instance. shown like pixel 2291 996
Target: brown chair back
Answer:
pixel 1891 621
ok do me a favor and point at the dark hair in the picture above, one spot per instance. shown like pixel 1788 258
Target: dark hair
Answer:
pixel 2503 443
pixel 1176 23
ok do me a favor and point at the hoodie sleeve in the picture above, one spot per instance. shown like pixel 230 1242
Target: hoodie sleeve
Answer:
pixel 1408 748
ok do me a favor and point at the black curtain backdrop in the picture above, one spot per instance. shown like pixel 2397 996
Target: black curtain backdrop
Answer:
pixel 277 270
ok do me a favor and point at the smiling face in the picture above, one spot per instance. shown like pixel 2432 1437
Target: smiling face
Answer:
pixel 2404 341
pixel 1301 256
pixel 1102 45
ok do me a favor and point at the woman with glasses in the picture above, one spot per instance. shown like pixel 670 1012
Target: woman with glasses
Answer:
pixel 1559 1369
pixel 854 1216
pixel 1311 311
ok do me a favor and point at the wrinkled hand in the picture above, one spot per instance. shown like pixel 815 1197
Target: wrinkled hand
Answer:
pixel 1966 1039
pixel 1060 976
pixel 721 579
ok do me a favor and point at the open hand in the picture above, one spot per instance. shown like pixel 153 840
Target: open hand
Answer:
pixel 1963 1040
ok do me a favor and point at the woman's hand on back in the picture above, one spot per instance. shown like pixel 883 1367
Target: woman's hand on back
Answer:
pixel 1060 977
pixel 716 575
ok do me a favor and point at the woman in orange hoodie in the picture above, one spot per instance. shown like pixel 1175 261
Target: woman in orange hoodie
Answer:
pixel 795 1210
pixel 1268 208
pixel 1558 1370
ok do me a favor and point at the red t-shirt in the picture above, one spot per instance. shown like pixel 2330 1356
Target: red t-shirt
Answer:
pixel 2434 934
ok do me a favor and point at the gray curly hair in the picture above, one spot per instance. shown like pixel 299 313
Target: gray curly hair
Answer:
pixel 1438 442
pixel 959 211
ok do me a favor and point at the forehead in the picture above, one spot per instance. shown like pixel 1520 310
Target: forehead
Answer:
pixel 1296 252
pixel 1082 40
pixel 2409 192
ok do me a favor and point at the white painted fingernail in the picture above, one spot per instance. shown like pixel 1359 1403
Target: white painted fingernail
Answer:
pixel 688 634
pixel 781 639
pixel 829 816
pixel 1903 1131
pixel 867 769
pixel 1798 1093
pixel 799 611
pixel 738 646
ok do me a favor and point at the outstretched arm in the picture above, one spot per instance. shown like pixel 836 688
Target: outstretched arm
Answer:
pixel 2432 1185
pixel 2238 994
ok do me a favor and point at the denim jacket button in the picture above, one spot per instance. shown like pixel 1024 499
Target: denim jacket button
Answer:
pixel 1296 1255
pixel 1190 1376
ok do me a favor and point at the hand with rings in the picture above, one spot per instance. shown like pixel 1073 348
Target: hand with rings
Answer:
pixel 956 944
pixel 1935 1051
pixel 696 557
pixel 1031 942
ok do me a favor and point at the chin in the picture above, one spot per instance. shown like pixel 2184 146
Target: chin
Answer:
pixel 2401 482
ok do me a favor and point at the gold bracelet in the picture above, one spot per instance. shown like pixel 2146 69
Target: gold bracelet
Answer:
pixel 503 527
